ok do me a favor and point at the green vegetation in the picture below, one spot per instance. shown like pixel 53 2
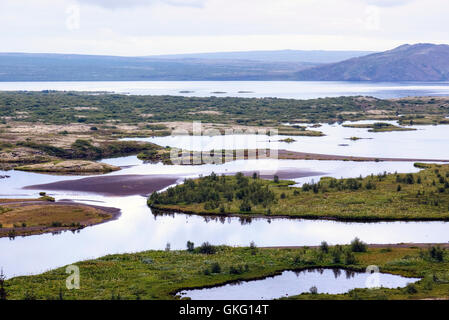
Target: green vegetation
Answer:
pixel 70 167
pixel 378 127
pixel 160 274
pixel 220 194
pixel 420 196
pixel 78 107
pixel 84 149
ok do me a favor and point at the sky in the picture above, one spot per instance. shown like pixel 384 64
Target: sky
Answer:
pixel 149 27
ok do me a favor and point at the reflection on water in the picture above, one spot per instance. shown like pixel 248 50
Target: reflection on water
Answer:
pixel 289 283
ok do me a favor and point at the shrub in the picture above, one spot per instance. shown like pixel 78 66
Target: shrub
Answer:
pixel 313 290
pixel 245 206
pixel 190 246
pixel 349 258
pixel 411 288
pixel 358 246
pixel 436 253
pixel 216 268
pixel 207 248
pixel 324 247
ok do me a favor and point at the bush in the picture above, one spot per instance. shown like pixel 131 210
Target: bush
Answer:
pixel 216 268
pixel 245 206
pixel 358 246
pixel 324 247
pixel 207 248
pixel 313 290
pixel 436 253
pixel 190 246
pixel 349 258
pixel 411 288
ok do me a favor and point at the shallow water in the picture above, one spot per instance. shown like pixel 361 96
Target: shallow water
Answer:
pixel 425 143
pixel 138 229
pixel 289 283
pixel 279 89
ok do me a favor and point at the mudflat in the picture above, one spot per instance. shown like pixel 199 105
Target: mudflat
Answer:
pixel 115 185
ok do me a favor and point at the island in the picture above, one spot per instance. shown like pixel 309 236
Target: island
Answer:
pixel 24 217
pixel 384 197
pixel 78 167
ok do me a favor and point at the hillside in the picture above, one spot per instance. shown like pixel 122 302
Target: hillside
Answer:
pixel 309 56
pixel 420 62
pixel 251 65
pixel 72 67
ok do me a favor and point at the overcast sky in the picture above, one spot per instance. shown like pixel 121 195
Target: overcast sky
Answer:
pixel 146 27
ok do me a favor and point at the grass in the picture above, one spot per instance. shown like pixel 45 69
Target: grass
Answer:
pixel 417 196
pixel 20 218
pixel 69 167
pixel 379 127
pixel 160 274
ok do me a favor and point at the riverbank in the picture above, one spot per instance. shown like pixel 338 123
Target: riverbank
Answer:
pixel 24 217
pixel 160 275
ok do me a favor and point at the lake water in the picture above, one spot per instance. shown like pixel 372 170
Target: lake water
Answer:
pixel 280 89
pixel 289 283
pixel 139 229
pixel 424 143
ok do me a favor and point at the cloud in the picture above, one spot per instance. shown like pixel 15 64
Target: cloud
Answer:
pixel 114 4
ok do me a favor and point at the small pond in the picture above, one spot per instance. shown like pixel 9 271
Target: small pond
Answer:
pixel 289 283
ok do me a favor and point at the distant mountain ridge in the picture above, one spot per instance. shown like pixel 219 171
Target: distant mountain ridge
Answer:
pixel 419 62
pixel 251 65
pixel 309 56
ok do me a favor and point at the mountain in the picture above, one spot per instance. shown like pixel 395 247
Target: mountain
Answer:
pixel 419 62
pixel 257 65
pixel 73 67
pixel 310 56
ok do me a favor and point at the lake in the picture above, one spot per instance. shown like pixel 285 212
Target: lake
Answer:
pixel 250 89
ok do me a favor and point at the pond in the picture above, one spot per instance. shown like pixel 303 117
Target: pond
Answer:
pixel 289 283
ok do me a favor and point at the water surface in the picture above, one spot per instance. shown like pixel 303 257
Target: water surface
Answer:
pixel 289 283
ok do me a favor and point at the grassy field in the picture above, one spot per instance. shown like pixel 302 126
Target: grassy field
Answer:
pixel 160 274
pixel 417 196
pixel 26 217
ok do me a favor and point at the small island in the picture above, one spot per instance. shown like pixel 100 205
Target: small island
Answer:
pixel 383 197
pixel 70 167
pixel 379 127
pixel 24 217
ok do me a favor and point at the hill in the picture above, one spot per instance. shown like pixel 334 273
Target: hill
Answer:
pixel 266 65
pixel 419 62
